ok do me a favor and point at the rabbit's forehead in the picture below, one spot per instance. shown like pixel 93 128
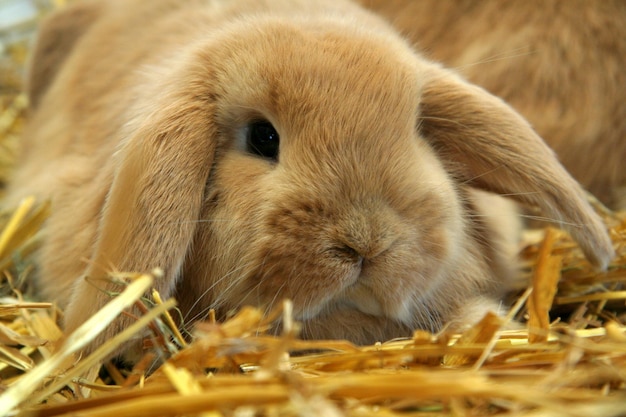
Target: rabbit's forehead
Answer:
pixel 295 79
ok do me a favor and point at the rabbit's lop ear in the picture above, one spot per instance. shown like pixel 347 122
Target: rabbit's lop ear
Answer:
pixel 491 147
pixel 57 36
pixel 160 179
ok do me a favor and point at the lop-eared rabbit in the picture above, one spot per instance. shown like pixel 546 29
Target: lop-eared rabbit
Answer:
pixel 262 150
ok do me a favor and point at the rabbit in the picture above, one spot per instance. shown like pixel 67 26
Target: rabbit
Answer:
pixel 283 149
pixel 559 63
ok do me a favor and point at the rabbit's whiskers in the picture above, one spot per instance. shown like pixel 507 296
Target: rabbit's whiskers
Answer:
pixel 514 53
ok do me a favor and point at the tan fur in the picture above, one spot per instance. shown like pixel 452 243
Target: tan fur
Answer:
pixel 367 221
pixel 561 64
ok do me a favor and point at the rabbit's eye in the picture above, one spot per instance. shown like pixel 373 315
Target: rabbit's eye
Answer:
pixel 263 140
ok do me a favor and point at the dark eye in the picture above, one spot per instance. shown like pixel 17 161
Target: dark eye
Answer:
pixel 263 140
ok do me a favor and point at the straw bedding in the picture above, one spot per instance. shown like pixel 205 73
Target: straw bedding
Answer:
pixel 565 354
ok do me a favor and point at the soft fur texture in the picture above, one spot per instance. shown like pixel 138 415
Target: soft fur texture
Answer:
pixel 561 64
pixel 369 220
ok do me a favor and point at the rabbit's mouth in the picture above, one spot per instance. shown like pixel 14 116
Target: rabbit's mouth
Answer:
pixel 360 298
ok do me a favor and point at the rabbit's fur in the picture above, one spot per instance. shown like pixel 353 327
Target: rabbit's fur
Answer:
pixel 369 218
pixel 561 64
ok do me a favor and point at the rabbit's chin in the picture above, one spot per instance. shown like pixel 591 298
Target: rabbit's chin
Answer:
pixel 366 303
pixel 369 304
pixel 366 300
pixel 359 323
pixel 348 323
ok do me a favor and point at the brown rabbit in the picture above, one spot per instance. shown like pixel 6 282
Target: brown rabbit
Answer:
pixel 256 151
pixel 561 64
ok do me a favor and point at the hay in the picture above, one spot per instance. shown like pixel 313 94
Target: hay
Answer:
pixel 569 358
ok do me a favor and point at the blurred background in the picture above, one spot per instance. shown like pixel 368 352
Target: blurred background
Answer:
pixel 18 25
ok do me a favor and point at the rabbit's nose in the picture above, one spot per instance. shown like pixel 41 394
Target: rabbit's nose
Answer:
pixel 361 248
pixel 347 253
pixel 365 233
